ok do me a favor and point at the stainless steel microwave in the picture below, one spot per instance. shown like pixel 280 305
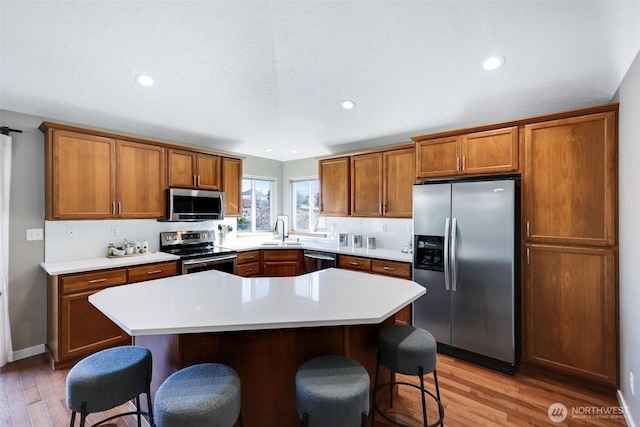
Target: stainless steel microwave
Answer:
pixel 184 204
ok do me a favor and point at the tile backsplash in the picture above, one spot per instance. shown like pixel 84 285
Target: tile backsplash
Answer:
pixel 74 240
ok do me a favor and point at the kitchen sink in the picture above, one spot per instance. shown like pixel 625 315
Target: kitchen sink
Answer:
pixel 281 244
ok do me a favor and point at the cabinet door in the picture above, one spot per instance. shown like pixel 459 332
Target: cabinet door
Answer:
pixel 182 169
pixel 248 270
pixel 571 311
pixel 354 263
pixel 84 329
pixel 492 151
pixel 83 174
pixel 438 157
pixel 570 180
pixel 141 180
pixel 208 176
pixel 280 268
pixel 366 185
pixel 232 185
pixel 399 177
pixel 334 186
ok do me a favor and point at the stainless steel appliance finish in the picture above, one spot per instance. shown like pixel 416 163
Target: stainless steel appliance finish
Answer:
pixel 198 252
pixel 466 242
pixel 314 260
pixel 343 239
pixel 185 204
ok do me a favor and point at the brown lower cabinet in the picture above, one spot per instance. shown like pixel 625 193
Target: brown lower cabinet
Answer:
pixel 248 264
pixel 401 270
pixel 75 328
pixel 281 262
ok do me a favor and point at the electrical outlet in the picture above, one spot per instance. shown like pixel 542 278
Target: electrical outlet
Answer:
pixel 34 234
pixel 631 383
pixel 71 233
pixel 384 228
pixel 115 231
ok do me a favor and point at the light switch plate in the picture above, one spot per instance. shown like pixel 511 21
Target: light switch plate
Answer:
pixel 34 234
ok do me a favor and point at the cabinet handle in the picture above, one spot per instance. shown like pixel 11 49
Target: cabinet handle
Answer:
pixel 154 271
pixel 388 268
pixel 457 164
pixel 198 180
pixel 195 182
pixel 464 162
pixel 248 270
pixel 98 280
pixel 113 207
pixel 528 257
pixel 528 233
pixel 250 257
pixel 119 208
pixel 354 263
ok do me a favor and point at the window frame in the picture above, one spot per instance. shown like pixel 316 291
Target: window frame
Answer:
pixel 319 230
pixel 272 190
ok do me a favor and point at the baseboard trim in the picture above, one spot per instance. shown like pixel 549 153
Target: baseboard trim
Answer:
pixel 27 352
pixel 627 416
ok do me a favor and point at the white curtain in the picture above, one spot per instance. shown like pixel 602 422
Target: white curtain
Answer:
pixel 6 349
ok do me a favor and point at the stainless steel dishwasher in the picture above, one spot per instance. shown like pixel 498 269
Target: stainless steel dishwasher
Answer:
pixel 316 260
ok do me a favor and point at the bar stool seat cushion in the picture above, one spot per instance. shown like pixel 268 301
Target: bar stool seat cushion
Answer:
pixel 207 394
pixel 108 378
pixel 332 391
pixel 404 348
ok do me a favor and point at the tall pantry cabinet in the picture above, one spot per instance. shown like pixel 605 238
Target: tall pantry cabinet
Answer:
pixel 570 229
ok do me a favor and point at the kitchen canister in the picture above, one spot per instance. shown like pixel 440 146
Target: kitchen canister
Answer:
pixel 343 239
pixel 356 241
pixel 371 242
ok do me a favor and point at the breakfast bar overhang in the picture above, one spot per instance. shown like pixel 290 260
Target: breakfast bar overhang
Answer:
pixel 264 328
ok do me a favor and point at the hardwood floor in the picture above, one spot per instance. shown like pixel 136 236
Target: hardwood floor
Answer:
pixel 31 394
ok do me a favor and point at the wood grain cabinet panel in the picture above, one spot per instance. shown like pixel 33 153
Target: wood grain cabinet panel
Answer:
pixel 391 268
pixel 334 186
pixel 281 262
pixel 571 311
pixel 398 179
pixel 486 152
pixel 366 185
pixel 248 264
pixel 232 185
pixel 152 271
pixel 354 263
pixel 191 169
pixel 570 180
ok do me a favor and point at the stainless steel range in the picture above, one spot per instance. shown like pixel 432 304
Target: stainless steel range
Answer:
pixel 197 251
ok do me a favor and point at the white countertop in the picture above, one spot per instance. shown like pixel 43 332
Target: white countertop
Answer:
pixel 214 301
pixel 77 266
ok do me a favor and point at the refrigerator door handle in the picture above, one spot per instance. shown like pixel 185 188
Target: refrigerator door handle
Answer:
pixel 447 271
pixel 454 232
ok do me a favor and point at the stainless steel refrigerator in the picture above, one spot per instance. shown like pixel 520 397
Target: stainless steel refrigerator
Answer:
pixel 466 246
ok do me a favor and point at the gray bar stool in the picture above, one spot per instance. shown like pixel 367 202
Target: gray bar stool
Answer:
pixel 207 394
pixel 332 391
pixel 107 379
pixel 411 351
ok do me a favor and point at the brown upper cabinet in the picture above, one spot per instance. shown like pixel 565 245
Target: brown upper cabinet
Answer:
pixel 381 183
pixel 485 152
pixel 190 169
pixel 334 186
pixel 570 180
pixel 232 185
pixel 94 177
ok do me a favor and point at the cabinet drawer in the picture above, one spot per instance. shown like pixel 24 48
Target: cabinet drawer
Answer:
pixel 280 255
pixel 251 256
pixel 154 271
pixel 354 263
pixel 248 269
pixel 90 281
pixel 390 268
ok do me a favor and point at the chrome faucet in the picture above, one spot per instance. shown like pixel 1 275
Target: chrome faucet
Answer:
pixel 283 228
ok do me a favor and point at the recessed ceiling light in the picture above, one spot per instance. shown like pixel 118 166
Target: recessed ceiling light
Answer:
pixel 268 150
pixel 293 151
pixel 348 105
pixel 493 62
pixel 144 80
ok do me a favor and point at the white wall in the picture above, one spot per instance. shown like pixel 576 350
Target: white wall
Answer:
pixel 629 199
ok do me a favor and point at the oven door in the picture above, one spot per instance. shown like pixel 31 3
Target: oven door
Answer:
pixel 226 263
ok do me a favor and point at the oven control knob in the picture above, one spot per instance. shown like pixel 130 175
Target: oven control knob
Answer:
pixel 203 236
pixel 167 238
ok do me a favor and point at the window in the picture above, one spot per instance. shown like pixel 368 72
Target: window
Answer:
pixel 305 194
pixel 257 209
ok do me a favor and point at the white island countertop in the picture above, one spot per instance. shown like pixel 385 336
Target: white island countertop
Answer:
pixel 214 301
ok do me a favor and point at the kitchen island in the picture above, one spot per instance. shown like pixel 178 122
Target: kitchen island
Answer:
pixel 264 328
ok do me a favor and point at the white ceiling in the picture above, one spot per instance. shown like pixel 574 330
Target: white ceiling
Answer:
pixel 243 76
